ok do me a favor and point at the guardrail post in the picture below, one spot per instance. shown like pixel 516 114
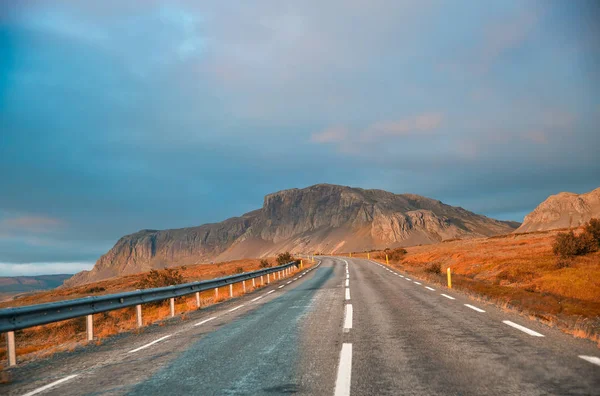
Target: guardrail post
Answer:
pixel 216 293
pixel 449 279
pixel 231 290
pixel 11 349
pixel 268 279
pixel 262 281
pixel 244 286
pixel 253 284
pixel 89 326
pixel 198 299
pixel 172 303
pixel 138 314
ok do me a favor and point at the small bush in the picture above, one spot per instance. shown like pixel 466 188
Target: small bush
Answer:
pixel 396 254
pixel 162 278
pixel 567 244
pixel 95 289
pixel 284 258
pixel 264 263
pixel 592 228
pixel 434 268
pixel 239 270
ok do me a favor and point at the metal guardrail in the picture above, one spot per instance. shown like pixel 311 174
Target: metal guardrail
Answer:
pixel 18 318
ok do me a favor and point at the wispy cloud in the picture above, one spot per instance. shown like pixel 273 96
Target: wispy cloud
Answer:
pixel 30 224
pixel 330 135
pixel 417 125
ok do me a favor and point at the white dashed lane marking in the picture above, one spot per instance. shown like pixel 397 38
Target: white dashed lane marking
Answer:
pixel 592 359
pixel 150 344
pixel 209 319
pixel 50 385
pixel 474 308
pixel 522 328
pixel 449 297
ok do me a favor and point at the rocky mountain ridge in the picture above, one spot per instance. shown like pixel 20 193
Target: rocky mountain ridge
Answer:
pixel 325 218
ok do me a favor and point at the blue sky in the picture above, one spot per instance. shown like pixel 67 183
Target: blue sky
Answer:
pixel 121 115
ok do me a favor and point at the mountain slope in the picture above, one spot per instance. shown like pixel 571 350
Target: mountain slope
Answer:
pixel 12 285
pixel 323 217
pixel 563 210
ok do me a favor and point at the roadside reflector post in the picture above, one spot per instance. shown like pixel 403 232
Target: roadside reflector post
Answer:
pixel 387 260
pixel 172 303
pixel 216 293
pixel 449 279
pixel 231 290
pixel 11 349
pixel 197 299
pixel 301 264
pixel 244 286
pixel 368 256
pixel 89 326
pixel 138 314
pixel 350 254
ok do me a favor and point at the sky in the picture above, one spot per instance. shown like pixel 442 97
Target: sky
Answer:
pixel 123 115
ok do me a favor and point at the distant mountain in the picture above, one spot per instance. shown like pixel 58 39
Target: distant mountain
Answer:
pixel 11 285
pixel 563 210
pixel 325 218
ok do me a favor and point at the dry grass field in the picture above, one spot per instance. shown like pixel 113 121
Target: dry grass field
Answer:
pixel 69 334
pixel 518 272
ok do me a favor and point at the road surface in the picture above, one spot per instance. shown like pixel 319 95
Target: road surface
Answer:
pixel 349 326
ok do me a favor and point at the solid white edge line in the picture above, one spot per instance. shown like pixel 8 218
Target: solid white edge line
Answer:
pixel 149 344
pixel 474 308
pixel 236 308
pixel 522 328
pixel 348 318
pixel 347 293
pixel 449 297
pixel 50 385
pixel 206 320
pixel 344 373
pixel 429 288
pixel 592 359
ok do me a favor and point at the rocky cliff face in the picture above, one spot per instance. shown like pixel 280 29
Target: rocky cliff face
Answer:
pixel 323 217
pixel 563 210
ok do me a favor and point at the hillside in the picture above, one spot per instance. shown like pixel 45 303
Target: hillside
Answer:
pixel 323 217
pixel 563 210
pixel 12 285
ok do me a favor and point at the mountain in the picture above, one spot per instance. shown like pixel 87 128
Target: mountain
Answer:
pixel 11 285
pixel 324 217
pixel 563 210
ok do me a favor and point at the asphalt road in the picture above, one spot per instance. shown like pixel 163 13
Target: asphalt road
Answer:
pixel 349 326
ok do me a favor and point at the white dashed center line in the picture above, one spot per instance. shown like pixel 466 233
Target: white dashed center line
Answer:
pixel 347 293
pixel 474 308
pixel 280 286
pixel 344 373
pixel 416 282
pixel 429 288
pixel 522 328
pixel 348 318
pixel 447 296
pixel 150 344
pixel 347 282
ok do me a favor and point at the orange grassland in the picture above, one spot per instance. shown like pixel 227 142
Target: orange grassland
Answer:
pixel 518 272
pixel 69 334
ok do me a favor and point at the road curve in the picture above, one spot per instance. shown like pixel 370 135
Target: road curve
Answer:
pixel 350 326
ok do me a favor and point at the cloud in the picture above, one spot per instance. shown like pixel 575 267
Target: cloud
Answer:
pixel 30 269
pixel 30 224
pixel 330 135
pixel 417 125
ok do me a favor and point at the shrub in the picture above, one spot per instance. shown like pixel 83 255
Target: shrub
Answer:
pixel 166 277
pixel 592 229
pixel 264 263
pixel 239 270
pixel 284 258
pixel 434 268
pixel 396 254
pixel 95 289
pixel 567 244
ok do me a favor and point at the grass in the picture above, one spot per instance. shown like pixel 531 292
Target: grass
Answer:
pixel 45 340
pixel 518 272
